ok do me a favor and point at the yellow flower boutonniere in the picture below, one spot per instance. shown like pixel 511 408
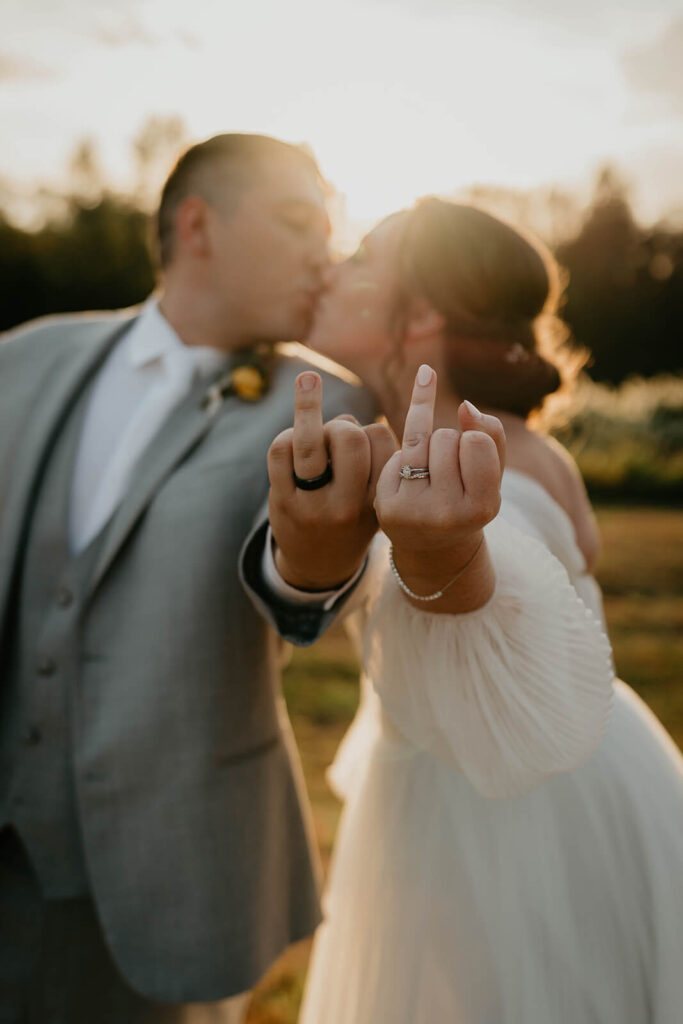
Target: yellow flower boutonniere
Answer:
pixel 248 382
pixel 248 378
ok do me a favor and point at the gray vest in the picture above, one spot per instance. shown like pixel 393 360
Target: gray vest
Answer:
pixel 37 793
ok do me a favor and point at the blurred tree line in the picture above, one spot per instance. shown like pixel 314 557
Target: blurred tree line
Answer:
pixel 92 251
pixel 625 293
pixel 93 247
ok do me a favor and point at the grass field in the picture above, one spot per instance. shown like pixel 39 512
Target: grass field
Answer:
pixel 641 574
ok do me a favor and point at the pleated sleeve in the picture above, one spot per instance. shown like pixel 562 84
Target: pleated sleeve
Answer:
pixel 508 694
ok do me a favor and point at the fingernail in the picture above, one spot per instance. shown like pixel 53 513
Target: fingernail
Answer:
pixel 472 410
pixel 307 381
pixel 424 375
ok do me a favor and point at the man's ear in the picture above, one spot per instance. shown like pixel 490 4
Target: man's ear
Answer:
pixel 192 226
pixel 423 321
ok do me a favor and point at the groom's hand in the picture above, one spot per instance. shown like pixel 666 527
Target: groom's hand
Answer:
pixel 322 535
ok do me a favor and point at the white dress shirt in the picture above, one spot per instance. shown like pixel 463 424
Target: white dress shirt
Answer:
pixel 146 375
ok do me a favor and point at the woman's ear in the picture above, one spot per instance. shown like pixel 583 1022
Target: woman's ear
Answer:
pixel 423 321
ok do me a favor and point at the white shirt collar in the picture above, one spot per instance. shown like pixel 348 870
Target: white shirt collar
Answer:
pixel 152 338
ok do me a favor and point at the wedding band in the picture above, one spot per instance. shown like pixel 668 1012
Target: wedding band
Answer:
pixel 314 482
pixel 414 472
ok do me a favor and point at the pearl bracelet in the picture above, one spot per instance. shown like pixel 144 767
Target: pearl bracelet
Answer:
pixel 439 593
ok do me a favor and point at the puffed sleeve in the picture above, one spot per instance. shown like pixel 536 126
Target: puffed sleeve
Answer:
pixel 508 694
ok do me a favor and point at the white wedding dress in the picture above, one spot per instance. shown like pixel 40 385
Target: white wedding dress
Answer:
pixel 490 866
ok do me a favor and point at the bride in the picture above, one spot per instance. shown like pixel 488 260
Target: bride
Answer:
pixel 492 866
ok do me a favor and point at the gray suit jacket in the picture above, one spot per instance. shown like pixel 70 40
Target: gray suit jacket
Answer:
pixel 190 796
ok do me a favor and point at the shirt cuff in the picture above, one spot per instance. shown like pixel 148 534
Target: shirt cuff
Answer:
pixel 275 582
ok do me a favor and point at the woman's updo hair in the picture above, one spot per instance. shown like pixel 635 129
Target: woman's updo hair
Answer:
pixel 499 294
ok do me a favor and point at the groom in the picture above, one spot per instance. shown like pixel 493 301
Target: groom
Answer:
pixel 155 855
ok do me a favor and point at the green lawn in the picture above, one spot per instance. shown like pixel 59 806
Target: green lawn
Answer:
pixel 641 573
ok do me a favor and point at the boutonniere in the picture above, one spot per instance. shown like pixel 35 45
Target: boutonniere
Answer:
pixel 248 378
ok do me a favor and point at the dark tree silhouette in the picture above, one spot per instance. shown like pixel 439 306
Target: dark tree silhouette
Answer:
pixel 97 257
pixel 625 295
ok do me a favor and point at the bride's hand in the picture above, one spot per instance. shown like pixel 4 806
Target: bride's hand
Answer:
pixel 322 535
pixel 435 524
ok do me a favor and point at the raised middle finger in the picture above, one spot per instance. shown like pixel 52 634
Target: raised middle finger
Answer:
pixel 420 420
pixel 308 438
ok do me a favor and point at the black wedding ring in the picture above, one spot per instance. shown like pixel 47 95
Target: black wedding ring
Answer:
pixel 314 483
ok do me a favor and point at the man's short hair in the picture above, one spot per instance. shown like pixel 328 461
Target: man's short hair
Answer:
pixel 219 170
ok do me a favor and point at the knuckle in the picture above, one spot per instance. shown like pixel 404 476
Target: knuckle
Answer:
pixel 345 417
pixel 416 438
pixel 355 441
pixel 379 431
pixel 281 447
pixel 342 426
pixel 382 442
pixel 335 427
pixel 478 437
pixel 350 437
pixel 306 450
pixel 307 400
pixel 498 437
pixel 445 435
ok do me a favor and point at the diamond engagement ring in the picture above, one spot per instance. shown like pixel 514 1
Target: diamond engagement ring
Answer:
pixel 414 472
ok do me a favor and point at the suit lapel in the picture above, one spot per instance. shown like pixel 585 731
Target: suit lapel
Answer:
pixel 71 373
pixel 177 437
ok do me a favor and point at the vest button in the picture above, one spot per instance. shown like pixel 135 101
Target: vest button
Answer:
pixel 46 666
pixel 31 736
pixel 64 597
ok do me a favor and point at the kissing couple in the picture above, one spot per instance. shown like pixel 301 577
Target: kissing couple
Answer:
pixel 180 492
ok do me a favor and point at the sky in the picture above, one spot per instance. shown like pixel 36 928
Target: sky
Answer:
pixel 397 98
